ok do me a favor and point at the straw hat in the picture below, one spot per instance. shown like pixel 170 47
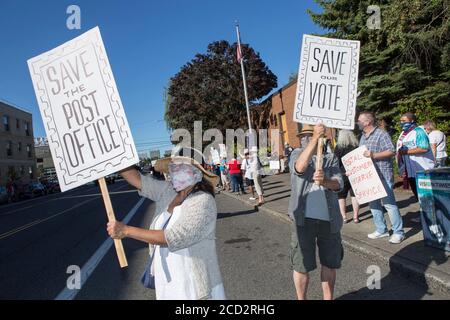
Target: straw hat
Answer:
pixel 162 165
pixel 306 128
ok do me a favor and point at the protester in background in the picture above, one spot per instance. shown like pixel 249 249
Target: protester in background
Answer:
pixel 346 142
pixel 256 172
pixel 224 174
pixel 247 172
pixel 183 230
pixel 438 143
pixel 313 205
pixel 10 189
pixel 285 160
pixel 381 150
pixel 234 168
pixel 413 151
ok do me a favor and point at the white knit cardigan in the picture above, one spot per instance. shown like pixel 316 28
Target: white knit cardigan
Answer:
pixel 195 230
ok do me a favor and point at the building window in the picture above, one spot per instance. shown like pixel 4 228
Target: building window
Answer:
pixel 19 147
pixel 27 128
pixel 30 172
pixel 17 124
pixel 11 171
pixel 6 122
pixel 9 148
pixel 29 150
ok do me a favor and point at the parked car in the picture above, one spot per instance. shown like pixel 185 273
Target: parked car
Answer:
pixel 35 189
pixel 52 186
pixel 110 179
pixel 5 197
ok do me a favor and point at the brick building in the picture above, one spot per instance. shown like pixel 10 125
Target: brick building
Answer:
pixel 44 160
pixel 277 112
pixel 17 156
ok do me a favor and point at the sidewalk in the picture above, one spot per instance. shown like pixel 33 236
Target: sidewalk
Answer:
pixel 425 265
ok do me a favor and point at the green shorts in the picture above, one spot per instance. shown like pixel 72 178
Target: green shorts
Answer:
pixel 303 246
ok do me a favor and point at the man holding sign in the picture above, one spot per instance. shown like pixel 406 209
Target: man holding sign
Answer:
pixel 314 207
pixel 382 151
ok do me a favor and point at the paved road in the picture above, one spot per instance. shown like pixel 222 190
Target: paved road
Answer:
pixel 253 250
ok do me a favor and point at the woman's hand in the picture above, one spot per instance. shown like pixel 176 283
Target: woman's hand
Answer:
pixel 117 230
pixel 319 177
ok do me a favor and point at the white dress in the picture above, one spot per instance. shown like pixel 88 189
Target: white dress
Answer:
pixel 172 270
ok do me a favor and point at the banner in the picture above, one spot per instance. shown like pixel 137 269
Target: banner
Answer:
pixel 85 123
pixel 327 82
pixel 363 176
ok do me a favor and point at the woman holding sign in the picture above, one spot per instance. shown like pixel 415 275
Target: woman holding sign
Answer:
pixel 346 142
pixel 182 233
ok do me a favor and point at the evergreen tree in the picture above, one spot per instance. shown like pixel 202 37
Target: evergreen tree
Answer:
pixel 404 65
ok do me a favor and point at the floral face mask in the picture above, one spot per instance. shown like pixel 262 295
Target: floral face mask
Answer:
pixel 183 175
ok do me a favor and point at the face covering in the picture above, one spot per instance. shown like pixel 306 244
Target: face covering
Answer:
pixel 184 175
pixel 406 125
pixel 304 141
pixel 360 126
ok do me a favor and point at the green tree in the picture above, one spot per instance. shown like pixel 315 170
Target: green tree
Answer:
pixel 209 88
pixel 404 65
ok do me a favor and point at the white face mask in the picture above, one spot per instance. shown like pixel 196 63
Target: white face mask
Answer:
pixel 183 175
pixel 305 141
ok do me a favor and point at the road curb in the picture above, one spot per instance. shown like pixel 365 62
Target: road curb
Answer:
pixel 407 268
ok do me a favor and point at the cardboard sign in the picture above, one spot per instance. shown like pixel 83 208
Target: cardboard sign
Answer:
pixel 84 119
pixel 215 156
pixel 274 165
pixel 327 82
pixel 223 150
pixel 363 177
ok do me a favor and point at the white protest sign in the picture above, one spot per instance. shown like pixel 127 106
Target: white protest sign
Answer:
pixel 327 82
pixel 274 165
pixel 84 119
pixel 363 176
pixel 223 150
pixel 215 156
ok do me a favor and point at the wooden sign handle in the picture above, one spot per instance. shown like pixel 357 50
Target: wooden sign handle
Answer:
pixel 110 212
pixel 319 159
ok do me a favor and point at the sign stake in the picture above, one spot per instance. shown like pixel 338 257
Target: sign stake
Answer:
pixel 111 217
pixel 319 159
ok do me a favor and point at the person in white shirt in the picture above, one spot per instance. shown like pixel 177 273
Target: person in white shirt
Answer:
pixel 438 143
pixel 247 170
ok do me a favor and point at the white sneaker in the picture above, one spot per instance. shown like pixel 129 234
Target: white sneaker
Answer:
pixel 377 235
pixel 396 238
pixel 252 198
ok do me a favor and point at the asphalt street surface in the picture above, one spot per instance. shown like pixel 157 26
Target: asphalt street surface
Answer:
pixel 42 237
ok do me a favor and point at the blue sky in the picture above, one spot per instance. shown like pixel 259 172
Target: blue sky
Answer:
pixel 147 42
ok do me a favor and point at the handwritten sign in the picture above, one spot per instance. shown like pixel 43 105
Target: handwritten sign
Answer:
pixel 274 165
pixel 327 82
pixel 86 126
pixel 363 176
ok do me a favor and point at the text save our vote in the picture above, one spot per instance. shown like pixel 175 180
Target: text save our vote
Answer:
pixel 331 64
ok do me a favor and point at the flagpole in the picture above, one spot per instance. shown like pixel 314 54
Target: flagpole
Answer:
pixel 245 84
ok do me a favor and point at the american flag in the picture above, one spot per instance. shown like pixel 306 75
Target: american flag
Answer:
pixel 239 53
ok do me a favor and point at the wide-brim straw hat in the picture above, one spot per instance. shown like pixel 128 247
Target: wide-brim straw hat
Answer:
pixel 306 128
pixel 162 165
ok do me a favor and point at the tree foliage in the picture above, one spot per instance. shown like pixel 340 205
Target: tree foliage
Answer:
pixel 405 65
pixel 209 88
